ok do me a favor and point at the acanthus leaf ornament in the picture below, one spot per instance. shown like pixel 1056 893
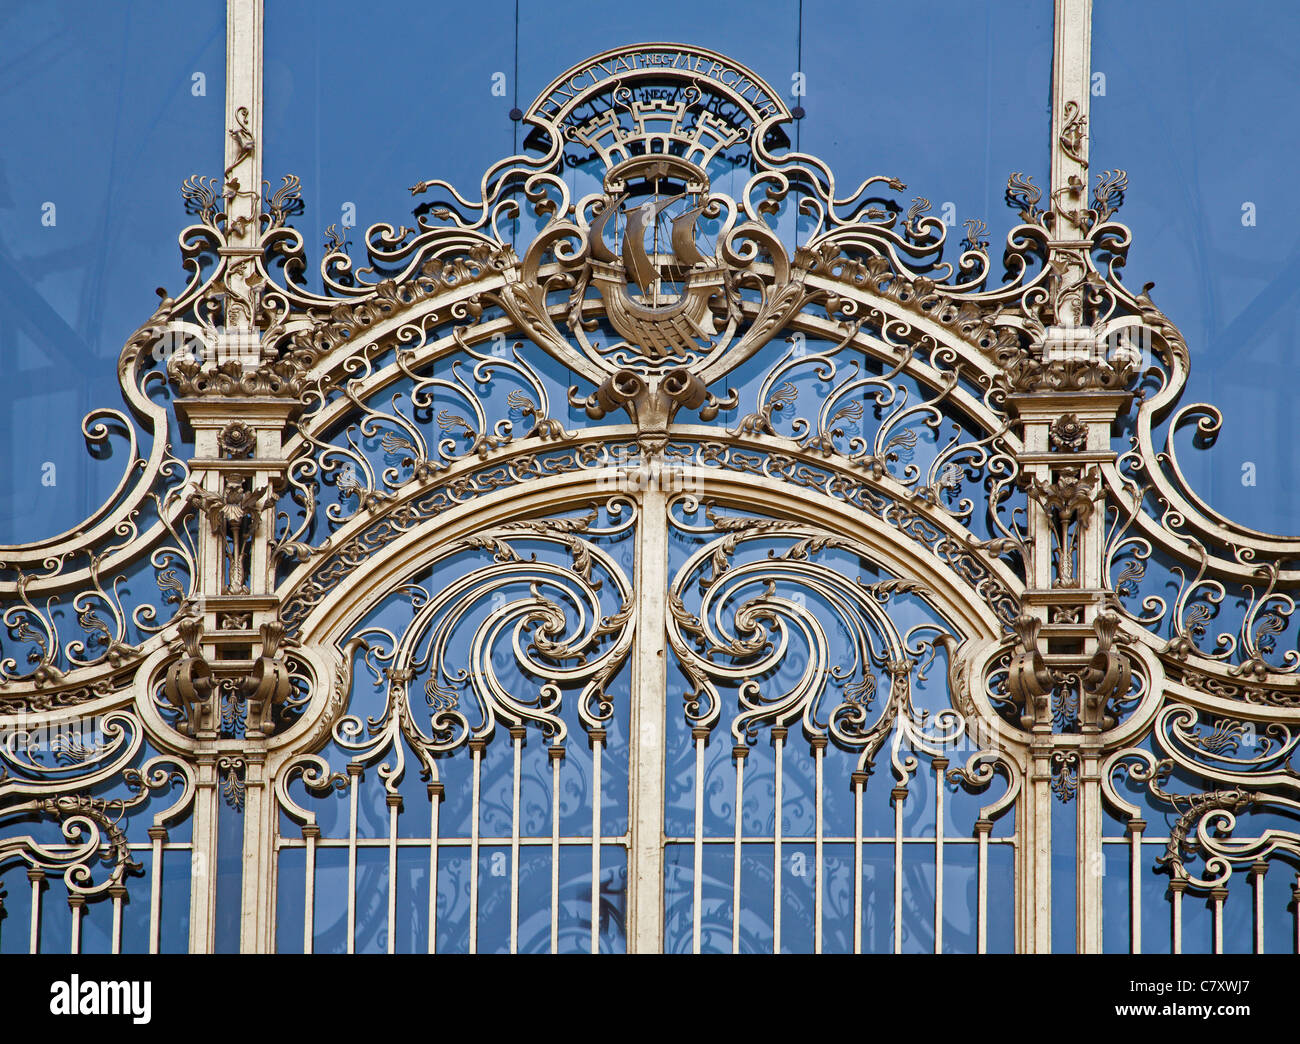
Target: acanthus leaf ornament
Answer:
pixel 1075 132
pixel 234 516
pixel 1069 501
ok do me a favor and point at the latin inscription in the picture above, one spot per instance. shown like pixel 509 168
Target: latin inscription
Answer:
pixel 736 82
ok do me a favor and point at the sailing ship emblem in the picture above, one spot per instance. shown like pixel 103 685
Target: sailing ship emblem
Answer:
pixel 680 293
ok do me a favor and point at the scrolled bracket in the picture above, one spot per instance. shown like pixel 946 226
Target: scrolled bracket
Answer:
pixel 256 688
pixel 1029 682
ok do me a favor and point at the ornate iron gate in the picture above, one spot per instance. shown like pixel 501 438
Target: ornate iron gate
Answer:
pixel 599 569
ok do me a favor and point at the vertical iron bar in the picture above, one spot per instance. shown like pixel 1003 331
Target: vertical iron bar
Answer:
pixel 116 894
pixel 435 800
pixel 309 835
pixel 739 752
pixel 778 741
pixel 818 751
pixel 1135 828
pixel 982 828
pixel 557 755
pixel 36 876
pixel 76 903
pixel 476 747
pixel 700 735
pixel 859 779
pixel 517 735
pixel 394 802
pixel 354 775
pixel 597 742
pixel 899 794
pixel 940 765
pixel 157 835
pixel 1176 888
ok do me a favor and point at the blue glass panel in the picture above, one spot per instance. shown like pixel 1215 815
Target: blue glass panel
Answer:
pixel 97 927
pixel 55 931
pixel 351 138
pixel 372 900
pixel 372 806
pixel 880 100
pixel 290 896
pixel 1280 911
pixel 837 790
pixel 1116 919
pixel 877 898
pixel 496 801
pixel 15 918
pixel 1157 915
pixel 453 899
pixel 798 789
pixel 756 883
pixel 535 788
pixel 411 921
pixel 534 899
pixel 330 927
pixel 960 897
pixel 1001 899
pixel 577 793
pixel 494 899
pixel 613 899
pixel 111 119
pixel 457 775
pixel 1198 924
pixel 837 898
pixel 758 810
pixel 1239 916
pixel 918 898
pixel 716 898
pixel 1190 109
pixel 1065 847
pixel 575 900
pixel 230 878
pixel 174 913
pixel 413 819
pixel 798 882
pixel 878 805
pixel 574 919
pixel 679 877
pixel 918 806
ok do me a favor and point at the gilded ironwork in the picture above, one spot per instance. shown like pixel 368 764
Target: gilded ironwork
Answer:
pixel 641 355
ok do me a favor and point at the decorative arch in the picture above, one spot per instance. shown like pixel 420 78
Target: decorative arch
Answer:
pixel 659 447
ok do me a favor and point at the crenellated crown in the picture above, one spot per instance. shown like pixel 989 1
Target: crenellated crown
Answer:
pixel 658 98
pixel 680 127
